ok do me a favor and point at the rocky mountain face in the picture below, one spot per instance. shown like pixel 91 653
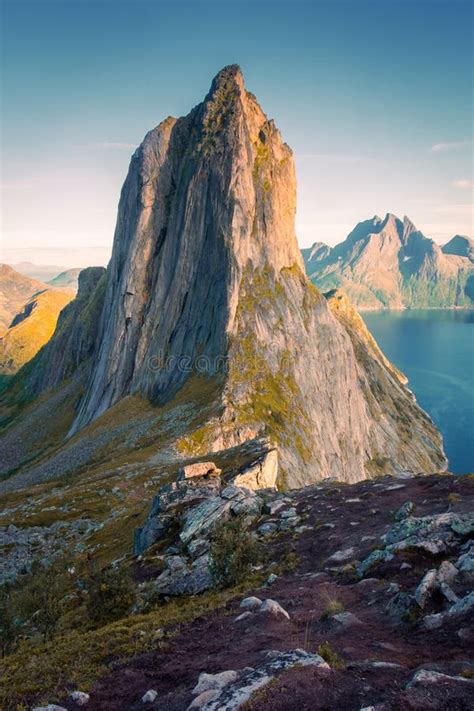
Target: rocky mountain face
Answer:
pixel 75 337
pixel 15 290
pixel 206 295
pixel 390 264
pixel 31 329
pixel 461 246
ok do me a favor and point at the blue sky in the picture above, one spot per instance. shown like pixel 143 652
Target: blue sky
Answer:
pixel 374 97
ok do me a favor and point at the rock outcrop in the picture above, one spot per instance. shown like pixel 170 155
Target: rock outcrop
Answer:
pixel 206 284
pixel 390 264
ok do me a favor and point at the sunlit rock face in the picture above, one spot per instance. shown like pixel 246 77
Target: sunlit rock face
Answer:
pixel 390 264
pixel 206 281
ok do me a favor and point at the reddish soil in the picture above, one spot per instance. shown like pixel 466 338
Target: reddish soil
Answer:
pixel 216 642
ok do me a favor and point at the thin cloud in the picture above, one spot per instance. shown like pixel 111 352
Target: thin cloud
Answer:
pixel 450 146
pixel 462 184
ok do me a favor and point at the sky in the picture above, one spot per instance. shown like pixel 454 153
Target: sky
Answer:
pixel 375 97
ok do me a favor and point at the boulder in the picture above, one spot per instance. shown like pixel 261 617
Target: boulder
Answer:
pixel 272 607
pixel 447 573
pixel 200 701
pixel 80 697
pixel 346 619
pixel 465 562
pixel 181 578
pixel 243 616
pixel 433 622
pixel 342 555
pixel 424 677
pixel 236 694
pixel 149 697
pixel 373 559
pixel 208 682
pixel 462 606
pixel 251 603
pixel 405 510
pixel 426 588
pixel 399 606
pixel 259 474
pixel 199 469
pixel 199 520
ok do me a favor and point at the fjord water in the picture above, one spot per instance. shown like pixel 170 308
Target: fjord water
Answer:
pixel 435 350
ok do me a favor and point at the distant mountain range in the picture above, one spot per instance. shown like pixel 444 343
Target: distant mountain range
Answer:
pixel 66 280
pixel 390 264
pixel 41 272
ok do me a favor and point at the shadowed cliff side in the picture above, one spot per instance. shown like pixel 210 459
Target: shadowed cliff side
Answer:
pixel 206 283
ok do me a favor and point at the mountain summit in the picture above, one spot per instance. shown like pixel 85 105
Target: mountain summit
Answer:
pixel 211 333
pixel 390 264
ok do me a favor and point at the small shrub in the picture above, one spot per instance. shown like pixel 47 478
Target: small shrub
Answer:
pixel 8 628
pixel 233 552
pixel 330 656
pixel 453 499
pixel 111 595
pixel 37 602
pixel 333 607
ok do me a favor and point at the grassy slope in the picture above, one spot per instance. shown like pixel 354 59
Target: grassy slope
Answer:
pixel 22 341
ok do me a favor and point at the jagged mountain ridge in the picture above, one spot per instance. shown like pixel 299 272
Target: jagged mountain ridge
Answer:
pixel 390 264
pixel 206 271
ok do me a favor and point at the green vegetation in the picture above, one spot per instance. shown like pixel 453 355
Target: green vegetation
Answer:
pixel 330 656
pixel 234 551
pixel 273 399
pixel 111 595
pixel 78 653
pixel 333 607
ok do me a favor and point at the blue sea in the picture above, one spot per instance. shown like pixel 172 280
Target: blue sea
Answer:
pixel 435 350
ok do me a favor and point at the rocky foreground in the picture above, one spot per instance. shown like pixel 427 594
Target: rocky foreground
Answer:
pixel 370 607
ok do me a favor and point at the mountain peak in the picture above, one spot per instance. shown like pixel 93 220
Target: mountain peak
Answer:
pixel 392 264
pixel 230 73
pixel 205 292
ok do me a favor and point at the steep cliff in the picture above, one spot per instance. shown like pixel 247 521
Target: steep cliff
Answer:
pixel 75 337
pixel 206 293
pixel 390 264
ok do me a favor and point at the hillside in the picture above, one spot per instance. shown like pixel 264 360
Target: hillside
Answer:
pixel 67 279
pixel 31 329
pixel 390 264
pixel 15 290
